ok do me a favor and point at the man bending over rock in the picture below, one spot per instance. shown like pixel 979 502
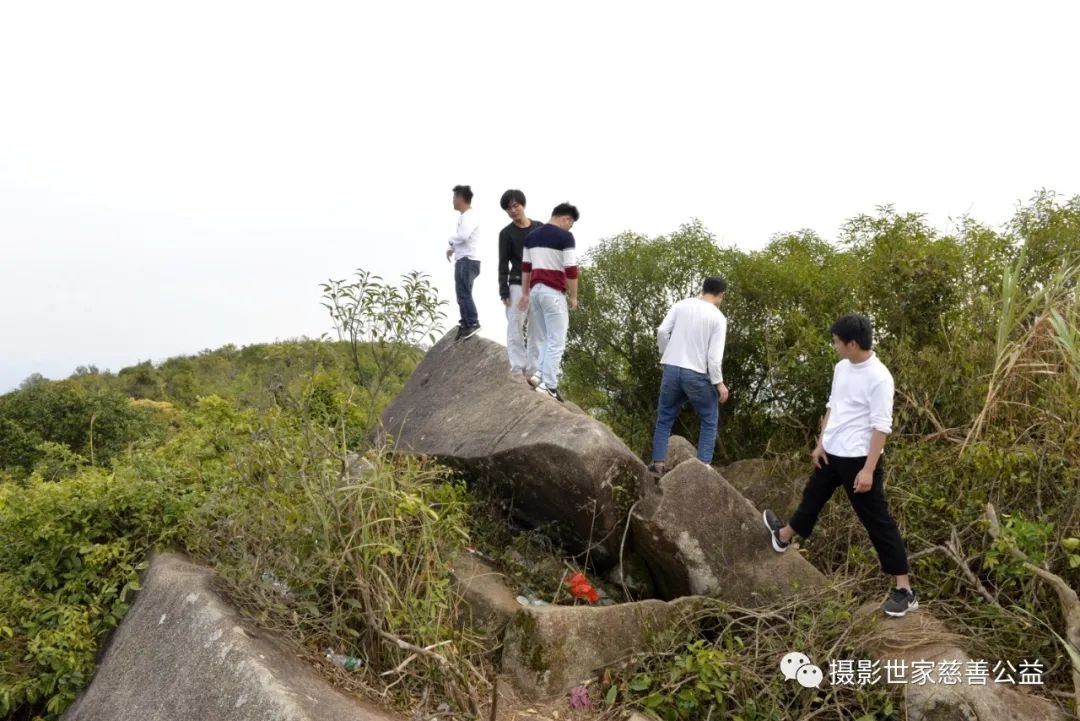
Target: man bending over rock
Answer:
pixel 691 340
pixel 848 454
pixel 549 291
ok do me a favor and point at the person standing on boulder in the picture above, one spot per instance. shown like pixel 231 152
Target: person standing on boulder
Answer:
pixel 691 339
pixel 848 454
pixel 549 290
pixel 464 252
pixel 524 362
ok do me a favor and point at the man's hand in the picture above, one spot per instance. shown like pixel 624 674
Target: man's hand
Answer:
pixel 864 480
pixel 722 391
pixel 573 303
pixel 523 302
pixel 818 456
pixel 506 302
pixel 449 254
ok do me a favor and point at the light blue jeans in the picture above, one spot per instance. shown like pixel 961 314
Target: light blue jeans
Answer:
pixel 522 357
pixel 547 307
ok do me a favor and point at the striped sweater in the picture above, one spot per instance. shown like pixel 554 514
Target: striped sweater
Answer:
pixel 549 257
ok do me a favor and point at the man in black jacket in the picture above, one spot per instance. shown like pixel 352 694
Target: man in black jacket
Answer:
pixel 524 358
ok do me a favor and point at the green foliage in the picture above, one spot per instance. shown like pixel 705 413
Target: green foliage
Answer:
pixel 57 461
pixel 97 424
pixel 611 359
pixel 777 355
pixel 69 561
pixel 383 324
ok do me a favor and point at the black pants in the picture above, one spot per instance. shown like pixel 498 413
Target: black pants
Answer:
pixel 870 507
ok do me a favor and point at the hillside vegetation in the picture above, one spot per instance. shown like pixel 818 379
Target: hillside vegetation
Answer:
pixel 241 457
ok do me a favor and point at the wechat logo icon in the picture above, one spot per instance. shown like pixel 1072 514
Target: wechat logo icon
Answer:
pixel 797 666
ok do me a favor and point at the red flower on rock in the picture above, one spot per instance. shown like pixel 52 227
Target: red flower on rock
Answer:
pixel 581 589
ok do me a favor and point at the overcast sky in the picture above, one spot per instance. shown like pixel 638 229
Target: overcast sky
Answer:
pixel 177 176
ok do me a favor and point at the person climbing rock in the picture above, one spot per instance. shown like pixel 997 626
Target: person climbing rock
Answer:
pixel 691 340
pixel 849 454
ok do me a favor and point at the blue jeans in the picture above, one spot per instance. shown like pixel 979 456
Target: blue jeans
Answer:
pixel 678 386
pixel 547 307
pixel 465 272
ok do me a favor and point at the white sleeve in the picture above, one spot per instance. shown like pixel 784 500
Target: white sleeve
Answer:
pixel 465 228
pixel 832 387
pixel 716 351
pixel 663 333
pixel 881 405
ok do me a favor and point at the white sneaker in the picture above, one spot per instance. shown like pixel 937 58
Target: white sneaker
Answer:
pixel 535 380
pixel 549 392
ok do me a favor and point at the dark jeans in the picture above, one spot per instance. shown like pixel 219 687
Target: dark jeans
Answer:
pixel 870 507
pixel 465 272
pixel 678 386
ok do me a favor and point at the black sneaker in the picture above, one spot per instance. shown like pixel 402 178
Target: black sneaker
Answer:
pixel 460 332
pixel 468 332
pixel 901 601
pixel 656 473
pixel 774 524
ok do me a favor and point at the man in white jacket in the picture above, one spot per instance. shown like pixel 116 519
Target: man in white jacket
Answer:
pixel 464 252
pixel 691 340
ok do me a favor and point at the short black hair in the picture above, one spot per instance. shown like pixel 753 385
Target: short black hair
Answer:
pixel 566 209
pixel 854 327
pixel 464 191
pixel 511 196
pixel 714 285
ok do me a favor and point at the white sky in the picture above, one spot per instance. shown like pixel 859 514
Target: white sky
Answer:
pixel 177 176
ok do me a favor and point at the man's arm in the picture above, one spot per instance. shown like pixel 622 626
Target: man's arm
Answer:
pixel 663 333
pixel 715 358
pixel 818 455
pixel 881 403
pixel 570 268
pixel 504 261
pixel 526 276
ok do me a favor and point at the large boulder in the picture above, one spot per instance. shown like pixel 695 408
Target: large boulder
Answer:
pixel 776 484
pixel 699 536
pixel 679 450
pixel 182 654
pixel 555 467
pixel 946 692
pixel 549 649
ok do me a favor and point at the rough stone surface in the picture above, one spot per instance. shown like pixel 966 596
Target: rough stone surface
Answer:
pixel 489 603
pixel 919 636
pixel 679 449
pixel 550 649
pixel 181 654
pixel 699 536
pixel 555 466
pixel 769 484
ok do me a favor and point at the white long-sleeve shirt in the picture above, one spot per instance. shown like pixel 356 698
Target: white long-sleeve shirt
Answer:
pixel 466 239
pixel 861 402
pixel 692 336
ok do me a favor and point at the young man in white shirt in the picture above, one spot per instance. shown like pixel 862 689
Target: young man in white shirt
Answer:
pixel 465 253
pixel 848 454
pixel 691 340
